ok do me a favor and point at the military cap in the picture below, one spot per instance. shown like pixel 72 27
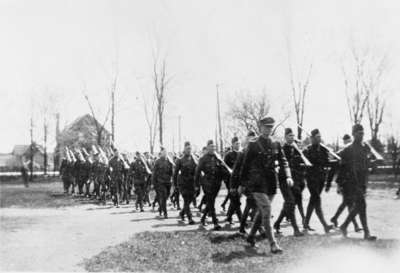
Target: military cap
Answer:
pixel 346 137
pixel 210 142
pixel 288 131
pixel 315 132
pixel 357 127
pixel 267 121
pixel 234 140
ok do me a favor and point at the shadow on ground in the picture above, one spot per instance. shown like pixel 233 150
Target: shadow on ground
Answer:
pixel 183 251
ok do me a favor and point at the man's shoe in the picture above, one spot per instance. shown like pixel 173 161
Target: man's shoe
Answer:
pixel 308 228
pixel 328 228
pixel 357 229
pixel 182 216
pixel 334 222
pixel 242 231
pixel 191 222
pixel 228 220
pixel 251 241
pixel 298 233
pixel 343 230
pixel 370 237
pixel 217 227
pixel 203 222
pixel 276 249
pixel 277 228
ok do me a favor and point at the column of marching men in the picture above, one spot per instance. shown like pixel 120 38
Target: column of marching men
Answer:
pixel 252 174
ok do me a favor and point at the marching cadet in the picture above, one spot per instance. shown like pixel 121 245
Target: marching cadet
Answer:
pixel 316 178
pixel 203 200
pixel 103 175
pixel 235 183
pixel 117 175
pixel 126 185
pixel 162 174
pixel 343 188
pixel 230 160
pixel 258 169
pixel 66 172
pixel 291 195
pixel 88 166
pixel 214 172
pixel 80 171
pixel 355 161
pixel 140 174
pixel 185 168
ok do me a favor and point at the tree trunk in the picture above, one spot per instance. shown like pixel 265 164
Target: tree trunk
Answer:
pixel 299 133
pixel 45 149
pixel 160 118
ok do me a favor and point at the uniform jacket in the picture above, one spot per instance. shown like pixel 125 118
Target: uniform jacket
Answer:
pixel 261 158
pixel 162 172
pixel 214 173
pixel 185 168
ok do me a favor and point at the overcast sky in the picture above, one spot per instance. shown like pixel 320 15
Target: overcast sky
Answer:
pixel 55 48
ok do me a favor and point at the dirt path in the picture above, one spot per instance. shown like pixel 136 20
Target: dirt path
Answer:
pixel 59 239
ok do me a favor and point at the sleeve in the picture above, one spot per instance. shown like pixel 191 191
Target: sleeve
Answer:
pixel 198 171
pixel 283 163
pixel 176 172
pixel 235 180
pixel 154 175
pixel 247 158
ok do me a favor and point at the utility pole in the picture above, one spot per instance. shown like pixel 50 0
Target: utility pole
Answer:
pixel 113 112
pixel 221 144
pixel 31 151
pixel 45 131
pixel 179 132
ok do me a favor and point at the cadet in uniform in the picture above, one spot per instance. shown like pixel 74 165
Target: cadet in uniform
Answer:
pixel 230 160
pixel 355 159
pixel 117 169
pixel 66 172
pixel 258 168
pixel 162 174
pixel 343 188
pixel 290 194
pixel 185 169
pixel 214 173
pixel 316 177
pixel 139 174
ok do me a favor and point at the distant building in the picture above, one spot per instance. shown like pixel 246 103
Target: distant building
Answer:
pixel 82 132
pixel 21 154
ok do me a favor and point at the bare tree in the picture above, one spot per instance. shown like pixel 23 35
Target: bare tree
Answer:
pixel 376 99
pixel 99 127
pixel 299 83
pixel 161 81
pixel 247 109
pixel 360 75
pixel 151 120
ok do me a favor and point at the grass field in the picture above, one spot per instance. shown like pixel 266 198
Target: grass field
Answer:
pixel 37 195
pixel 195 251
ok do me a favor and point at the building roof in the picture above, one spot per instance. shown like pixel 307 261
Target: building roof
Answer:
pixel 21 149
pixel 82 132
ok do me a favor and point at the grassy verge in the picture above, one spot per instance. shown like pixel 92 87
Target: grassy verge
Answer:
pixel 38 195
pixel 194 251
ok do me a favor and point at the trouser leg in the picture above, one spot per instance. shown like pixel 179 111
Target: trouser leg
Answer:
pixel 264 215
pixel 311 204
pixel 187 199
